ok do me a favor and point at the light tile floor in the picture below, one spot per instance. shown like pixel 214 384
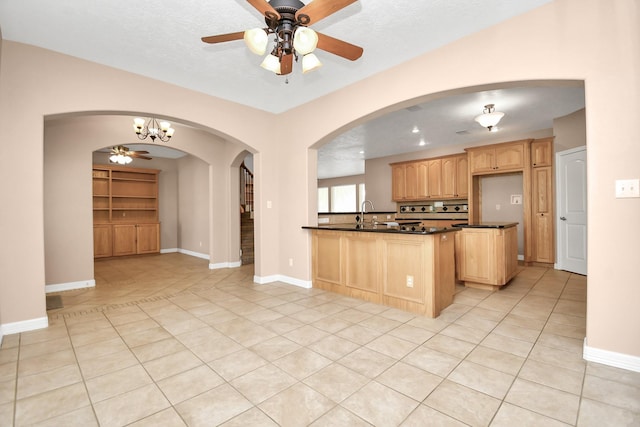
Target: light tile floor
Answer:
pixel 163 341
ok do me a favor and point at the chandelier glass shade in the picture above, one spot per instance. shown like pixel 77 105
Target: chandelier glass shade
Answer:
pixel 489 117
pixel 153 129
pixel 298 41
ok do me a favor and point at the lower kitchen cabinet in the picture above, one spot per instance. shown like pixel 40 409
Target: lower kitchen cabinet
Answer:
pixel 487 258
pixel 125 239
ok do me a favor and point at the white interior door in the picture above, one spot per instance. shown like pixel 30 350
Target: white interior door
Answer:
pixel 571 178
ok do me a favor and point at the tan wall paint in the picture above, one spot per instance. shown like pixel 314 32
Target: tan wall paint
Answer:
pixel 570 131
pixel 556 41
pixel 193 196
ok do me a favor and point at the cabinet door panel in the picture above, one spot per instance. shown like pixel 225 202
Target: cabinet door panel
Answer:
pixel 398 180
pixel 541 153
pixel 411 181
pixel 422 192
pixel 449 177
pixel 435 178
pixel 510 157
pixel 124 239
pixel 482 160
pixel 462 177
pixel 102 241
pixel 148 238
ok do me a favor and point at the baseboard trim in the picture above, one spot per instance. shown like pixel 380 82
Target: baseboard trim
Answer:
pixel 24 326
pixel 611 358
pixel 220 265
pixel 192 253
pixel 307 284
pixel 169 251
pixel 70 286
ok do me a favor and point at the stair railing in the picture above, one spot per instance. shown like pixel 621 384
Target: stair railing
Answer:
pixel 246 188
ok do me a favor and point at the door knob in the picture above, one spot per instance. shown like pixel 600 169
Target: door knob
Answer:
pixel 563 218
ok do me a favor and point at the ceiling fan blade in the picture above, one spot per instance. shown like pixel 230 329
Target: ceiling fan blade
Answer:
pixel 139 152
pixel 138 156
pixel 224 37
pixel 319 9
pixel 339 47
pixel 286 64
pixel 265 8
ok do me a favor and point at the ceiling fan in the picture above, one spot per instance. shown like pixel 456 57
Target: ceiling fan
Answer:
pixel 289 21
pixel 122 155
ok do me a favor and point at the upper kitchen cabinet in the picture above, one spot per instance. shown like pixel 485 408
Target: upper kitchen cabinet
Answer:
pixel 437 178
pixel 455 177
pixel 497 158
pixel 542 152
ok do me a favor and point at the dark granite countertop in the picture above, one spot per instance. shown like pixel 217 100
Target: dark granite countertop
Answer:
pixel 382 228
pixel 487 225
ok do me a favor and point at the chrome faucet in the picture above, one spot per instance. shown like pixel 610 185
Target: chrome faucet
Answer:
pixel 362 211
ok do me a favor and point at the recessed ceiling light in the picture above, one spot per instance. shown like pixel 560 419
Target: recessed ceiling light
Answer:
pixel 423 142
pixel 415 129
pixel 362 152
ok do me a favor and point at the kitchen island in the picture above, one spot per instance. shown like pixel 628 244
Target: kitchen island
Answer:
pixel 405 269
pixel 486 254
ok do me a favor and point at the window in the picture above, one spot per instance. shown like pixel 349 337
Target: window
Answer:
pixel 343 198
pixel 323 199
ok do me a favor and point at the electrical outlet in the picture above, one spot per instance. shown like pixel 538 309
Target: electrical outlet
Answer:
pixel 627 188
pixel 498 207
pixel 409 281
pixel 290 262
pixel 388 216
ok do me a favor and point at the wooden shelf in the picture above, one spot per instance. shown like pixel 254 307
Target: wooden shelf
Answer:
pixel 125 211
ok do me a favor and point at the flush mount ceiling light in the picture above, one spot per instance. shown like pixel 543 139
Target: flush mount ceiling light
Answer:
pixel 489 117
pixel 162 130
pixel 288 21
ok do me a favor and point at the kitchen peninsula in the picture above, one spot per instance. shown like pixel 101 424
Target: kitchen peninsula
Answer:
pixel 409 270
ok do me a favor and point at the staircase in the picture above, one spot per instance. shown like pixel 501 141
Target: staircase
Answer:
pixel 246 215
pixel 246 237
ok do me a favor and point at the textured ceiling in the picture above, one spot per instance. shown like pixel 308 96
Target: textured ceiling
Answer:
pixel 161 40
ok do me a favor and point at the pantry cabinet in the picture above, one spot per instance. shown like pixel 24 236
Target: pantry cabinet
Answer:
pixel 125 211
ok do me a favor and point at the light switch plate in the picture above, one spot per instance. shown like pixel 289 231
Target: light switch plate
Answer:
pixel 627 188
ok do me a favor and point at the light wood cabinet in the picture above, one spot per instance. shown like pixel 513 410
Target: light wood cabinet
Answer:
pixel 124 239
pixel 440 178
pixel 125 211
pixel 542 152
pixel 543 215
pixel 455 177
pixel 423 180
pixel 406 271
pixel 102 246
pixel 398 180
pixel 435 178
pixel 497 158
pixel 486 258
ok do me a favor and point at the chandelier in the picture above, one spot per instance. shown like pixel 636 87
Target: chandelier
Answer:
pixel 489 117
pixel 153 129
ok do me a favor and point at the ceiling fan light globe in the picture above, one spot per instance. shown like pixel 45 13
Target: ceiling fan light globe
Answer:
pixel 305 40
pixel 113 158
pixel 256 40
pixel 489 119
pixel 271 63
pixel 127 160
pixel 310 62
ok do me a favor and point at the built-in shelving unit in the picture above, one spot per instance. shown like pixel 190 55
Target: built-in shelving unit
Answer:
pixel 125 211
